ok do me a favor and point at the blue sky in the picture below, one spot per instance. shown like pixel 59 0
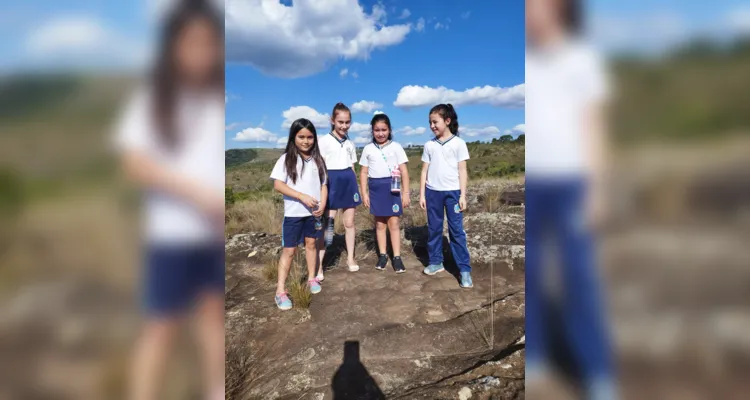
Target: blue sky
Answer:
pixel 462 46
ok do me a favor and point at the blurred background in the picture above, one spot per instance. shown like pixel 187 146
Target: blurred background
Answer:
pixel 673 249
pixel 69 223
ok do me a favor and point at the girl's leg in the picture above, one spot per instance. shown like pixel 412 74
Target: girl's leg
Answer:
pixel 456 232
pixel 394 227
pixel 584 316
pixel 350 234
pixel 211 336
pixel 151 354
pixel 311 256
pixel 380 225
pixel 285 263
pixel 435 211
pixel 321 243
pixel 536 326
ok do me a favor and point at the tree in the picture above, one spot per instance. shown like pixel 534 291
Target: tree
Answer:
pixel 506 138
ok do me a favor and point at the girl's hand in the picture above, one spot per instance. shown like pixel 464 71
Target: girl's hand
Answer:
pixel 462 202
pixel 319 211
pixel 366 199
pixel 405 201
pixel 309 201
pixel 422 202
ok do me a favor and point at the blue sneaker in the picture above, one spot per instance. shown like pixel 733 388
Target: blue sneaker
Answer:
pixel 314 286
pixel 466 280
pixel 433 269
pixel 283 302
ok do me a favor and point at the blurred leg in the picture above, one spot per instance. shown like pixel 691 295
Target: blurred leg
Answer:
pixel 394 227
pixel 380 234
pixel 585 324
pixel 350 235
pixel 536 340
pixel 150 358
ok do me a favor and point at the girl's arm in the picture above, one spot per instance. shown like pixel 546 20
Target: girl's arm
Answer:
pixel 405 193
pixel 363 172
pixel 422 183
pixel 323 201
pixel 463 177
pixel 284 189
pixel 147 172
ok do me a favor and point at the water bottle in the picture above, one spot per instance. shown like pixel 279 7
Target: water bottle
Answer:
pixel 318 223
pixel 395 181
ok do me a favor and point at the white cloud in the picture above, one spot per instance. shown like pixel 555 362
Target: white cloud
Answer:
pixel 255 135
pixel 361 140
pixel 438 26
pixel 229 96
pixel 359 128
pixel 307 37
pixel 355 75
pixel 281 143
pixel 417 96
pixel 409 131
pixel 378 112
pixel 365 106
pixel 83 41
pixel 232 126
pixel 466 15
pixel 738 20
pixel 321 121
pixel 343 72
pixel 405 14
pixel 420 25
pixel 471 132
pixel 516 130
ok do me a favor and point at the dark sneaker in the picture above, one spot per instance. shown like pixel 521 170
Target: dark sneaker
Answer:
pixel 398 265
pixel 382 262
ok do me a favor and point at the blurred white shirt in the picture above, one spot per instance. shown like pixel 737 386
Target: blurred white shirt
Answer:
pixel 200 125
pixel 561 82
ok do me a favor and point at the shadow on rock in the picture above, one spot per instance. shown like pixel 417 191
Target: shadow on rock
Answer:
pixel 351 380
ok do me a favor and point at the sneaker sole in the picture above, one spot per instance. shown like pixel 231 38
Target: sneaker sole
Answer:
pixel 315 292
pixel 283 308
pixel 427 273
pixel 467 287
pixel 353 269
pixel 401 271
pixel 380 268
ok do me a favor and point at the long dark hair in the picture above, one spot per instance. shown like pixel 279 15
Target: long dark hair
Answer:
pixel 572 15
pixel 292 152
pixel 381 118
pixel 446 111
pixel 339 107
pixel 165 76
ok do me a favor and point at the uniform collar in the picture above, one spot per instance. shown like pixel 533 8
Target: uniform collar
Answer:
pixel 341 141
pixel 383 146
pixel 446 141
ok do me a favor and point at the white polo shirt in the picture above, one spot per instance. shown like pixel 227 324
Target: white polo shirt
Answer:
pixel 380 161
pixel 561 82
pixel 199 121
pixel 442 173
pixel 338 154
pixel 308 182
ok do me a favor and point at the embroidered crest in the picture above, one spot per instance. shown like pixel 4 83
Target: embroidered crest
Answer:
pixel 356 197
pixel 395 208
pixel 456 209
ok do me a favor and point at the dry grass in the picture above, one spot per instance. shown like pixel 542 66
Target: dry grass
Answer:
pixel 261 215
pixel 297 286
pixel 271 269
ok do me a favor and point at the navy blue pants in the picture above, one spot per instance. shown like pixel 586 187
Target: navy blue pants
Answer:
pixel 555 210
pixel 440 204
pixel 176 275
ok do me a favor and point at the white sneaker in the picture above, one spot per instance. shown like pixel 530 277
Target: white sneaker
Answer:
pixel 320 277
pixel 354 268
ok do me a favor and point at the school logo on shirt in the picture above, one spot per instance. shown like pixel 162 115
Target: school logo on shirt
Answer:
pixel 395 208
pixel 349 151
pixel 356 197
pixel 456 209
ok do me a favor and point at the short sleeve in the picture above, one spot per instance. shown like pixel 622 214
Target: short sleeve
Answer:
pixel 401 157
pixel 279 170
pixel 597 85
pixel 363 158
pixel 353 158
pixel 462 153
pixel 135 129
pixel 426 153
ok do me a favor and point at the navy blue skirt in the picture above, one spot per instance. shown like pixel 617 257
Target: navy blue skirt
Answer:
pixel 343 191
pixel 383 202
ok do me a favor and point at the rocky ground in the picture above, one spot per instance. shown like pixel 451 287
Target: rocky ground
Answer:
pixel 377 334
